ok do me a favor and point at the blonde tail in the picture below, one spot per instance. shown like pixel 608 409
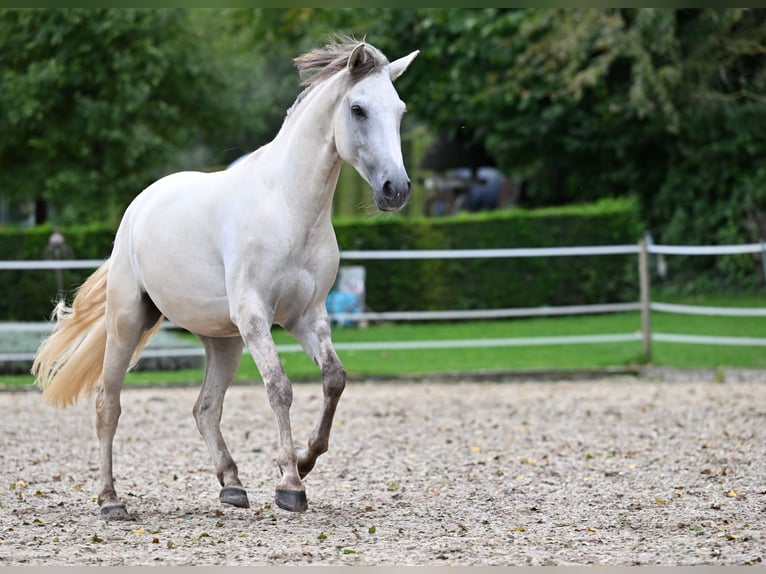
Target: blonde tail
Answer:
pixel 71 361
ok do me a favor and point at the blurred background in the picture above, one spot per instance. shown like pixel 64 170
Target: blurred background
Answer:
pixel 664 105
pixel 546 126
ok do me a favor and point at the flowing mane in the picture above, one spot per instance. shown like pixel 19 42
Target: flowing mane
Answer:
pixel 321 63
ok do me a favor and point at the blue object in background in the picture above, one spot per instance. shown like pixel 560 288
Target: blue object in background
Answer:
pixel 484 195
pixel 347 297
pixel 343 303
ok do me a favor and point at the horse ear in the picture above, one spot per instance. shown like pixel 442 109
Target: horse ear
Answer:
pixel 397 67
pixel 358 56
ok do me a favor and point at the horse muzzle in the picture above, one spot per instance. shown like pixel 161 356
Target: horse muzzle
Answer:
pixel 392 196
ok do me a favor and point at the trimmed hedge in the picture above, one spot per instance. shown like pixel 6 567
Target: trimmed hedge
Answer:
pixel 31 295
pixel 409 284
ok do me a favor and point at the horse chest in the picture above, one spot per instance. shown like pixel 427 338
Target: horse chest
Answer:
pixel 281 273
pixel 293 284
pixel 293 294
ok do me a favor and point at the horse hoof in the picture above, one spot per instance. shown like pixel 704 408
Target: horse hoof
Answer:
pixel 234 496
pixel 115 512
pixel 292 500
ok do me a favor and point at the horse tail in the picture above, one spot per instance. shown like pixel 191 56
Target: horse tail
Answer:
pixel 70 361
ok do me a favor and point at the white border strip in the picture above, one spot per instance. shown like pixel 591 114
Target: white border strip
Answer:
pixel 464 344
pixel 483 343
pixel 452 254
pixel 43 326
pixel 491 253
pixel 489 313
pixel 46 327
pixel 705 249
pixel 27 265
pixel 395 345
pixel 702 310
pixel 709 340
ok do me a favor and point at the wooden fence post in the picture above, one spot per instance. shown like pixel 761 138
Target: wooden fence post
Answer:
pixel 643 275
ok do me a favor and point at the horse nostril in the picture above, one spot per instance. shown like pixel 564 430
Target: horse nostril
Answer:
pixel 388 190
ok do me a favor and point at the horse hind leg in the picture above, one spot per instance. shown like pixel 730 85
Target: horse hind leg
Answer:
pixel 124 334
pixel 223 358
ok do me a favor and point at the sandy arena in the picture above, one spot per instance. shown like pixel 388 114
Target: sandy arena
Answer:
pixel 614 471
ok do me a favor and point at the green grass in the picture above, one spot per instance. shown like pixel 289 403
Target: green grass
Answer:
pixel 571 356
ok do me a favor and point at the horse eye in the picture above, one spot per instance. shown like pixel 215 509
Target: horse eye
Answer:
pixel 358 111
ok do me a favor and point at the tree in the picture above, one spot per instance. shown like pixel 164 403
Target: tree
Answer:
pixel 97 103
pixel 269 40
pixel 664 104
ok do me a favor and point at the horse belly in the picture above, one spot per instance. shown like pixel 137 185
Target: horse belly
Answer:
pixel 177 262
pixel 193 305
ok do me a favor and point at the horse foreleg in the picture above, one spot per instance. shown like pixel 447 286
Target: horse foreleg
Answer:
pixel 290 493
pixel 316 340
pixel 223 358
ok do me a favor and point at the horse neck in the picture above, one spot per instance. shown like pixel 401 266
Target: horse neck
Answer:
pixel 310 158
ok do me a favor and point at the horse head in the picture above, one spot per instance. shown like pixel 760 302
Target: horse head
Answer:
pixel 367 125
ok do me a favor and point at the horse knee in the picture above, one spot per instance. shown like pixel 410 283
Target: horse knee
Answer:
pixel 279 391
pixel 199 407
pixel 334 378
pixel 197 411
pixel 202 411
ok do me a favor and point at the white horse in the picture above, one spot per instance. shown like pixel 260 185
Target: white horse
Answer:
pixel 226 255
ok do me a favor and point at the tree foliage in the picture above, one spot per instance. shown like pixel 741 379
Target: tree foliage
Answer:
pixel 664 104
pixel 667 105
pixel 95 104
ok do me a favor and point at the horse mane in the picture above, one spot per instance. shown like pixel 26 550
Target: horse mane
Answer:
pixel 321 63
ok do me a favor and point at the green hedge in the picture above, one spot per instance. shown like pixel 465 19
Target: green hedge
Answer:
pixel 413 284
pixel 30 295
pixel 497 283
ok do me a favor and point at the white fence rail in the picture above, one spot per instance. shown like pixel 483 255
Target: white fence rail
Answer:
pixel 492 253
pixel 626 249
pixel 53 264
pixel 642 333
